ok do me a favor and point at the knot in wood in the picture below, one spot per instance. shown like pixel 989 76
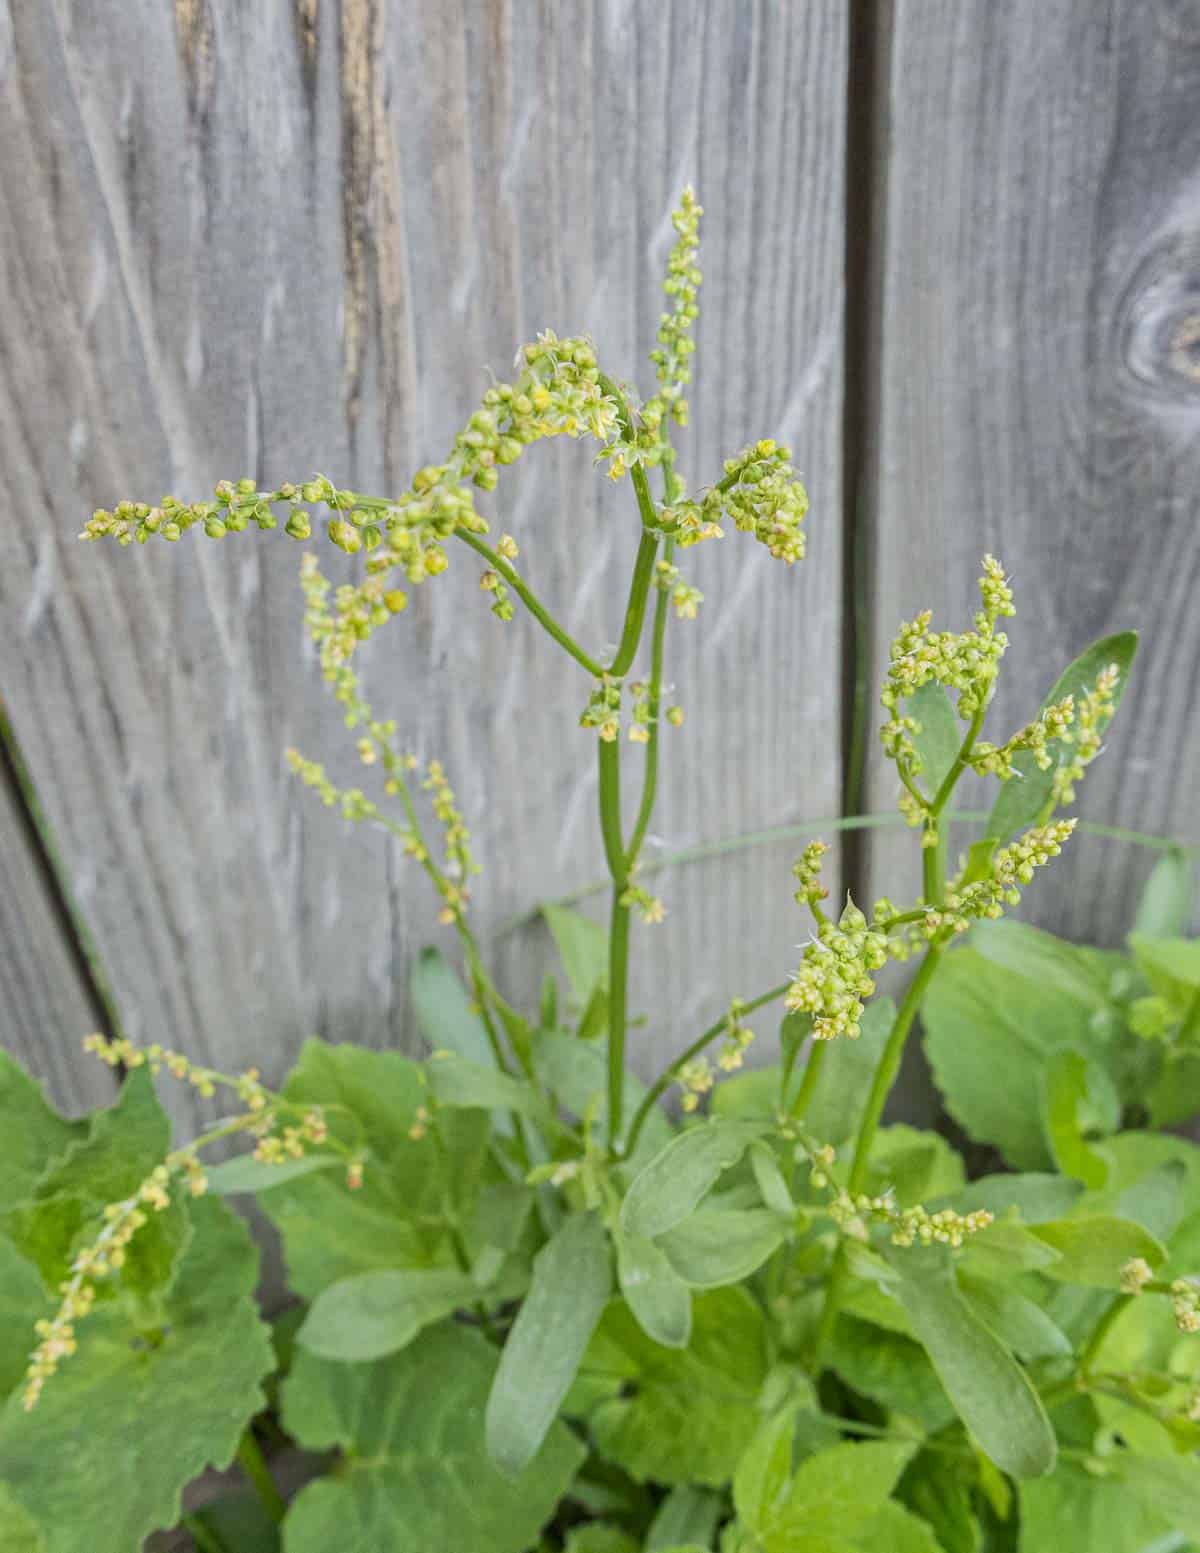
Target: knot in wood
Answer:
pixel 1158 322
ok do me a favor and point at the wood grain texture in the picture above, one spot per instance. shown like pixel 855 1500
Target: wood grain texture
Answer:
pixel 266 239
pixel 45 1003
pixel 1039 342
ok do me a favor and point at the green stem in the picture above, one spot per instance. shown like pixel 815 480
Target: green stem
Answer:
pixel 618 935
pixel 653 698
pixel 255 1468
pixel 1099 1332
pixel 531 601
pixel 808 1084
pixel 635 612
pixel 667 1077
pixel 205 1540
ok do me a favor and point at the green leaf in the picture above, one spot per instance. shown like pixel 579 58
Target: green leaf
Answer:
pixel 890 1368
pixel 1069 1084
pixel 687 1517
pixel 20 1532
pixel 656 1294
pixel 1165 909
pixel 678 1415
pixel 33 1135
pixel 936 1488
pixel 583 948
pixel 247 1174
pixel 1169 1486
pixel 1004 1249
pixel 716 1246
pixel 122 1146
pixel 600 1537
pixel 464 1085
pixel 764 1473
pixel 445 1014
pixel 1017 1322
pixel 412 1426
pixel 982 1019
pixel 769 1179
pixel 938 738
pixel 667 1189
pixel 1171 965
pixel 832 1498
pixel 376 1313
pixel 1074 1511
pixel 1023 797
pixel 898 1530
pixel 840 1093
pixel 990 1391
pixel 917 1164
pixel 1035 1196
pixel 21 1292
pixel 576 1071
pixel 572 1280
pixel 190 1393
pixel 1093 1250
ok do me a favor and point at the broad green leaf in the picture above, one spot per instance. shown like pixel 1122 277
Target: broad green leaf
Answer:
pixel 1017 1322
pixel 1074 1511
pixel 600 1537
pixel 938 737
pixel 1004 1249
pixel 687 1517
pixel 1174 1096
pixel 1156 1200
pixel 982 1020
pixel 445 1014
pixel 654 1291
pixel 1076 971
pixel 840 1093
pixel 572 1279
pixel 18 1529
pixel 936 1488
pixel 898 1530
pixel 917 1164
pixel 832 1498
pixel 1170 965
pixel 189 1396
pixel 1068 1084
pixel 716 1246
pixel 376 1313
pixel 33 1135
pixel 247 1174
pixel 1035 1196
pixel 1170 1486
pixel 122 1146
pixel 892 1369
pixel 769 1178
pixel 764 1473
pixel 464 1085
pixel 372 1097
pixel 1165 909
pixel 678 1415
pixel 21 1292
pixel 583 948
pixel 1093 1250
pixel 667 1189
pixel 990 1391
pixel 1023 797
pixel 412 1425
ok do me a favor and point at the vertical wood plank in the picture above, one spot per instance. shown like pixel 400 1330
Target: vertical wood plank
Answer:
pixel 1040 384
pixel 46 1006
pixel 259 240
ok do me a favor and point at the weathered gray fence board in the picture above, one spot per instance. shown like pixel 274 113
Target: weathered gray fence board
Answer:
pixel 263 239
pixel 1041 379
pixel 46 1008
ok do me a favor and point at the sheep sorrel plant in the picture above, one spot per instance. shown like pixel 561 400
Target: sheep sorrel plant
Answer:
pixel 535 1312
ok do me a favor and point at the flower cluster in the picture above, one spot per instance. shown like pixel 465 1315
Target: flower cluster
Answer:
pixel 835 974
pixel 759 494
pixel 1135 1275
pixel 1012 867
pixel 809 889
pixel 685 599
pixel 603 711
pixel 854 1213
pixel 649 907
pixel 738 1036
pixel 997 759
pixel 673 353
pixel 965 662
pixel 695 1079
pixel 1085 739
pixel 1185 1304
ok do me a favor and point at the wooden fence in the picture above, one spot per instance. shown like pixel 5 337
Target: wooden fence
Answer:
pixel 951 254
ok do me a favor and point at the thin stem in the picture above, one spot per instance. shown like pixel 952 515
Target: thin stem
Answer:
pixel 653 700
pixel 205 1540
pixel 667 1077
pixel 1099 1332
pixel 812 1073
pixel 618 934
pixel 635 611
pixel 531 601
pixel 255 1468
pixel 942 797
